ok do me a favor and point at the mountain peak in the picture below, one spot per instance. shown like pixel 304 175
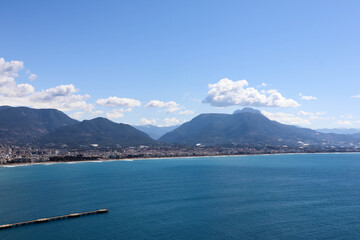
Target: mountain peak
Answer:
pixel 99 119
pixel 247 110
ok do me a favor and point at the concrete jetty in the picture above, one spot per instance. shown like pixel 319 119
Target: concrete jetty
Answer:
pixel 43 220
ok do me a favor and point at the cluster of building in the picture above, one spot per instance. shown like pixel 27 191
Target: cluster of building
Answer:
pixel 30 154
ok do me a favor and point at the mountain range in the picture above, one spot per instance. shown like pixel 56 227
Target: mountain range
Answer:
pixel 246 127
pixel 23 125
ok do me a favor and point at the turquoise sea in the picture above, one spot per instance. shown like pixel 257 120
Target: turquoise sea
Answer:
pixel 305 196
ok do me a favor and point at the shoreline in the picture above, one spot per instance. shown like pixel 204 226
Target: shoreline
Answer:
pixel 157 158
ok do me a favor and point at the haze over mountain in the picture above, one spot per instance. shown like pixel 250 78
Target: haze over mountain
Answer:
pixel 339 130
pixel 154 131
pixel 247 127
pixel 22 124
pixel 99 131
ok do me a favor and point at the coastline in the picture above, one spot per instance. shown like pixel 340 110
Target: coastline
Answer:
pixel 159 158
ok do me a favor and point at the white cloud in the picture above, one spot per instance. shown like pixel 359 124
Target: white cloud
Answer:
pixel 77 115
pixel 161 104
pixel 61 97
pixel 344 123
pixel 313 116
pixel 186 112
pixel 13 94
pixel 96 113
pixel 307 98
pixel 10 69
pixel 286 118
pixel 32 76
pixel 310 115
pixel 118 102
pixel 117 113
pixel 8 86
pixel 11 89
pixel 170 122
pixel 302 113
pixel 356 96
pixel 171 107
pixel 51 93
pixel 228 93
pixel 263 84
pixel 146 121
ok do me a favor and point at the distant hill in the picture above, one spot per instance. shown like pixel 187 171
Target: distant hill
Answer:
pixel 154 131
pixel 339 130
pixel 98 131
pixel 247 127
pixel 21 125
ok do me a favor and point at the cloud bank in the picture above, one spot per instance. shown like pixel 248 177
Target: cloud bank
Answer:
pixel 118 102
pixel 229 93
pixel 62 97
pixel 286 118
pixel 171 107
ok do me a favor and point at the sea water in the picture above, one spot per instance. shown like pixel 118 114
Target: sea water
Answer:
pixel 304 196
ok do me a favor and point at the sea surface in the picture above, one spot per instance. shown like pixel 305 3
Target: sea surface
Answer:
pixel 304 196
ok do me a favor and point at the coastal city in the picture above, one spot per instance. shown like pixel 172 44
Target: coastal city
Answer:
pixel 174 120
pixel 30 154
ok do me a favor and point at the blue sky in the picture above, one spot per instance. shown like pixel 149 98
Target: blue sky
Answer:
pixel 152 61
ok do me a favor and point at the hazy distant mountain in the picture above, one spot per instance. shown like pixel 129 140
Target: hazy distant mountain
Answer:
pixel 98 131
pixel 19 125
pixel 245 127
pixel 154 131
pixel 339 130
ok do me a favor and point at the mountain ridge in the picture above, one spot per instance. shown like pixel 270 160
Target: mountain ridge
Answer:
pixel 100 131
pixel 243 128
pixel 246 127
pixel 23 124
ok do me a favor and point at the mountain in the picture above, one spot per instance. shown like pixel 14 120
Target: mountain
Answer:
pixel 154 131
pixel 21 125
pixel 247 110
pixel 339 130
pixel 99 131
pixel 247 127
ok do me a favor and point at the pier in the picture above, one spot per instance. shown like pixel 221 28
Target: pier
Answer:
pixel 43 220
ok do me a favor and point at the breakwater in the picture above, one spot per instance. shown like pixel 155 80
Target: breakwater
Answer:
pixel 44 220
